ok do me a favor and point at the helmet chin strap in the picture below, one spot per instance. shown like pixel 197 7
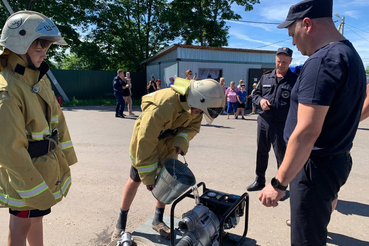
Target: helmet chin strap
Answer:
pixel 30 63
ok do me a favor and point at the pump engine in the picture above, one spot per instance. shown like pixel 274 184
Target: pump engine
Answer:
pixel 216 211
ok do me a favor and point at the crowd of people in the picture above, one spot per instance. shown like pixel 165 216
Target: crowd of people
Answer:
pixel 305 118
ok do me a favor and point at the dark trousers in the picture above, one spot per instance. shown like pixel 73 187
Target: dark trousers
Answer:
pixel 120 104
pixel 312 192
pixel 269 132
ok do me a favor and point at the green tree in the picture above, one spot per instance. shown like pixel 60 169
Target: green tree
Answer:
pixel 70 16
pixel 203 21
pixel 127 32
pixel 367 70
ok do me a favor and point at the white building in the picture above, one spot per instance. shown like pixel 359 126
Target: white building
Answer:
pixel 210 62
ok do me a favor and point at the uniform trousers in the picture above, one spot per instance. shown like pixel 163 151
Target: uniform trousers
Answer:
pixel 269 132
pixel 312 192
pixel 120 104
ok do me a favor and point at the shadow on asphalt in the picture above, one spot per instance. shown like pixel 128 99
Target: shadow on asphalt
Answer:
pixel 363 129
pixel 349 208
pixel 216 126
pixel 98 108
pixel 342 240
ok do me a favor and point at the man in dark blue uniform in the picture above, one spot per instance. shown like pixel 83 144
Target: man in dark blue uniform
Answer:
pixel 321 125
pixel 273 96
pixel 118 86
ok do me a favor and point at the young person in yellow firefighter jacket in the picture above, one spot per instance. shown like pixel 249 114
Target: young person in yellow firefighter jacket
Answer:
pixel 170 118
pixel 35 147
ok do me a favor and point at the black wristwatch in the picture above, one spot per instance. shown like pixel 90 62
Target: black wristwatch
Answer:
pixel 276 184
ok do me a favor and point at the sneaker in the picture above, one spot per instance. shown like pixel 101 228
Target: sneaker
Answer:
pixel 236 117
pixel 243 118
pixel 117 234
pixel 163 230
pixel 252 113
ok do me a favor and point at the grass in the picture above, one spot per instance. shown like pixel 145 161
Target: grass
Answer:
pixel 106 101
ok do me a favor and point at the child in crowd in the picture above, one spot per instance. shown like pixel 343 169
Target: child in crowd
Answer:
pixel 242 99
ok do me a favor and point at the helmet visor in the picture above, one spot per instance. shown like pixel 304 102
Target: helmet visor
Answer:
pixel 214 112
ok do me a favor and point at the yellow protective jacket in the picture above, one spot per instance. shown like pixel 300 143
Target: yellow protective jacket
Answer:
pixel 29 112
pixel 161 110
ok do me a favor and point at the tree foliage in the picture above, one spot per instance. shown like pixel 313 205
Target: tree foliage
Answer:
pixel 111 34
pixel 203 21
pixel 70 17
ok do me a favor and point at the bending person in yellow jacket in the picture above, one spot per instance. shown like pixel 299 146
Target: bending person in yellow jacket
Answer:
pixel 35 147
pixel 170 118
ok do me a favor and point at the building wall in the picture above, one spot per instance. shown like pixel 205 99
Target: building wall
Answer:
pixel 152 70
pixel 171 56
pixel 162 71
pixel 168 70
pixel 231 71
pixel 234 65
pixel 230 56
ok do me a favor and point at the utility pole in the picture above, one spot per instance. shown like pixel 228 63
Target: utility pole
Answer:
pixel 342 24
pixel 49 73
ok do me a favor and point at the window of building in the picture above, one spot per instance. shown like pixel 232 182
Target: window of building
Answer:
pixel 206 73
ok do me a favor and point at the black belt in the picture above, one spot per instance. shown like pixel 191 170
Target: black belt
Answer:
pixel 43 147
pixel 333 156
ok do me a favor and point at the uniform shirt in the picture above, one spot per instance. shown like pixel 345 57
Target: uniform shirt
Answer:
pixel 117 85
pixel 278 94
pixel 333 76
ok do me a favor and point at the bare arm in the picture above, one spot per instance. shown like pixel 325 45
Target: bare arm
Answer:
pixel 365 111
pixel 310 121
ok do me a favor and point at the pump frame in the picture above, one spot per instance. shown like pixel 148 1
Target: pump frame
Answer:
pixel 244 197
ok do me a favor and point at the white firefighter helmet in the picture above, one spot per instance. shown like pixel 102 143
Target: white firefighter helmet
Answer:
pixel 207 95
pixel 24 27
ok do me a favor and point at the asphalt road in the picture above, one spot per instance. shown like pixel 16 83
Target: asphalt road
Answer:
pixel 222 156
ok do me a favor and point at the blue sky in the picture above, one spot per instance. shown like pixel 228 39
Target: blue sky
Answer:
pixel 269 37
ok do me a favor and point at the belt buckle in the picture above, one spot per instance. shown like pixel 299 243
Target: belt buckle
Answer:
pixel 53 144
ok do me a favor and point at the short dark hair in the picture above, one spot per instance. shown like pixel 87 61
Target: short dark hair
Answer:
pixel 119 71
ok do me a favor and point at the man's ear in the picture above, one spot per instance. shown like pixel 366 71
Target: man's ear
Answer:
pixel 307 23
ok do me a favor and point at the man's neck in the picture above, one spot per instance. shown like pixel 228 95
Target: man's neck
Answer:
pixel 280 74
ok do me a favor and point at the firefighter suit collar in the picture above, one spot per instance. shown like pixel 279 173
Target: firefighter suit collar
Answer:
pixel 183 102
pixel 19 67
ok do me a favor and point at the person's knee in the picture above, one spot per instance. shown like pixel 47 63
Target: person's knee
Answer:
pixel 132 185
pixel 19 226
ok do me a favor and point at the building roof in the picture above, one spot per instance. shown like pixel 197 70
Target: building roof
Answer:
pixel 175 46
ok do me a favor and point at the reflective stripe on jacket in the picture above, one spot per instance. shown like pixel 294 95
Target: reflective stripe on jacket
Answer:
pixel 29 112
pixel 161 110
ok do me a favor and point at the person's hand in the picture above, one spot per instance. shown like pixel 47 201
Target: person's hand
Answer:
pixel 269 196
pixel 178 150
pixel 150 187
pixel 264 104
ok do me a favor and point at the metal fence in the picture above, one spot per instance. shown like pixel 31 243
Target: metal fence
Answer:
pixel 87 84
